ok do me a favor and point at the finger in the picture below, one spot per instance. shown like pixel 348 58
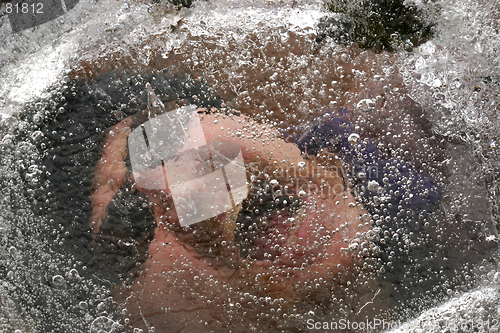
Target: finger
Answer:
pixel 110 171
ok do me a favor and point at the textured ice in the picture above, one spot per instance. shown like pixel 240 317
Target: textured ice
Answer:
pixel 476 311
pixel 34 59
pixel 236 19
pixel 456 74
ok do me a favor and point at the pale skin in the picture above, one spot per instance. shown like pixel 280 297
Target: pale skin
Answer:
pixel 179 278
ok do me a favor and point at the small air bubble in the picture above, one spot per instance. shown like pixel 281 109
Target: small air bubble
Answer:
pixel 366 105
pixel 496 278
pixel 353 138
pixel 58 280
pixel 101 306
pixel 74 274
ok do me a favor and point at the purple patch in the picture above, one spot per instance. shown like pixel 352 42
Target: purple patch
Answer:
pixel 409 191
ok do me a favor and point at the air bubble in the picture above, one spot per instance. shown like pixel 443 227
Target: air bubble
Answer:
pixel 36 136
pixel 496 278
pixel 373 186
pixel 58 280
pixel 73 274
pixel 366 105
pixel 353 138
pixel 12 251
pixel 103 325
pixel 23 126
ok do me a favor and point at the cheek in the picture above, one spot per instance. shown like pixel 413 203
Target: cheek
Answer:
pixel 325 238
pixel 179 286
pixel 197 292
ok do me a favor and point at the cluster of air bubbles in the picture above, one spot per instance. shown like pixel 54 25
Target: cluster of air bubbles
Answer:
pixel 477 309
pixel 458 69
pixel 286 83
pixel 455 77
pixel 36 271
pixel 105 325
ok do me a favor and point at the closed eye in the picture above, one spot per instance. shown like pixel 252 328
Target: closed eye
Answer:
pixel 266 213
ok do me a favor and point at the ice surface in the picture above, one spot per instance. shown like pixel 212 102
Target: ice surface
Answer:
pixel 476 311
pixel 457 74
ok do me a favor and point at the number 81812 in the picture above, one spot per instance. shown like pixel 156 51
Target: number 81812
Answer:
pixel 24 8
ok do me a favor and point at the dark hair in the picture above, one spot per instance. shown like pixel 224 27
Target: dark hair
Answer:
pixel 75 120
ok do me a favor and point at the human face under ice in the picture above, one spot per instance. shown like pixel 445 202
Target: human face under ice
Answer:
pixel 261 262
